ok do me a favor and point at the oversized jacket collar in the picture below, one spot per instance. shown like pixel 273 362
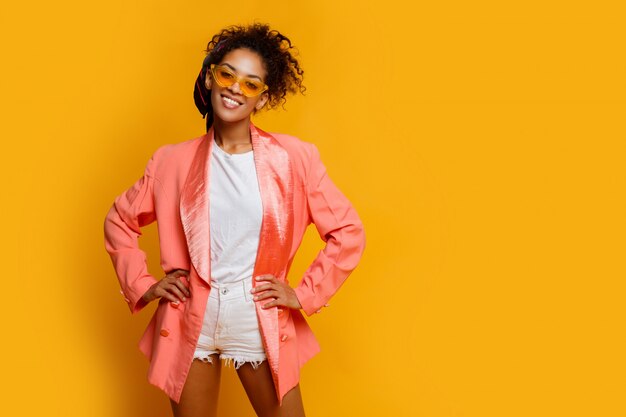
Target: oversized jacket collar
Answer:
pixel 275 177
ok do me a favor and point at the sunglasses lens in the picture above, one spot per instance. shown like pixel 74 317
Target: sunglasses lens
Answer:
pixel 251 88
pixel 224 77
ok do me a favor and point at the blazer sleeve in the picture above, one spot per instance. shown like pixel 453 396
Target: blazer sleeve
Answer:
pixel 339 225
pixel 130 211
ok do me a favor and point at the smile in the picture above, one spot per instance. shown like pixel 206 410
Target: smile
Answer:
pixel 230 103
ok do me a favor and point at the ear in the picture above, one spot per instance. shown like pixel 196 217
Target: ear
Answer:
pixel 264 98
pixel 208 79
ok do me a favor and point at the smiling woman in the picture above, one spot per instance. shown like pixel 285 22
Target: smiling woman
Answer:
pixel 232 206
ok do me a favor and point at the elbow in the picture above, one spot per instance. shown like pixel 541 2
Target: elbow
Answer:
pixel 110 228
pixel 112 221
pixel 355 235
pixel 360 238
pixel 357 232
pixel 109 221
pixel 350 245
pixel 109 216
pixel 358 242
pixel 117 232
pixel 363 239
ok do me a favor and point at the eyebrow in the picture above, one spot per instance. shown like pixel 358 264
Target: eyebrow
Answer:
pixel 247 75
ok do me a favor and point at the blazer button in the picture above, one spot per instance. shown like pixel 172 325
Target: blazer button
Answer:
pixel 165 332
pixel 174 304
pixel 283 338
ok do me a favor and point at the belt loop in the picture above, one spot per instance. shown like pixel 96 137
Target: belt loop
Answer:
pixel 247 286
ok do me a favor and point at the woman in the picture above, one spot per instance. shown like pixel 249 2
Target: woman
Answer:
pixel 231 208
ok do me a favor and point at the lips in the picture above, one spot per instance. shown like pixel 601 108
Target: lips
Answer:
pixel 230 102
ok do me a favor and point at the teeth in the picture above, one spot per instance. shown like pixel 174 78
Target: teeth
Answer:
pixel 228 100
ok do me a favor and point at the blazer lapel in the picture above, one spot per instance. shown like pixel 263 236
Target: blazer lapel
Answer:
pixel 194 208
pixel 275 178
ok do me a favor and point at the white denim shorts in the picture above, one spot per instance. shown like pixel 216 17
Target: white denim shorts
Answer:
pixel 231 328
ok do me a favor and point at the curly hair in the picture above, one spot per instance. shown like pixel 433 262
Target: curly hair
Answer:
pixel 284 74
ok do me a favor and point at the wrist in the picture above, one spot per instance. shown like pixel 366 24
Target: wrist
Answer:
pixel 147 296
pixel 295 302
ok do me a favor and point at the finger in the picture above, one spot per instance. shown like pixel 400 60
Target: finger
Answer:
pixel 183 287
pixel 262 287
pixel 174 289
pixel 185 280
pixel 271 304
pixel 266 294
pixel 182 274
pixel 266 277
pixel 162 293
pixel 178 275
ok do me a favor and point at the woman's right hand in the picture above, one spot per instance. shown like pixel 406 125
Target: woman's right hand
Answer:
pixel 171 287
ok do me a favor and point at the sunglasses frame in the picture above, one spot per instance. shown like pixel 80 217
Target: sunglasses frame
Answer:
pixel 237 79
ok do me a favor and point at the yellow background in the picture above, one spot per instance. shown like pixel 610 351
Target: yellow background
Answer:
pixel 481 142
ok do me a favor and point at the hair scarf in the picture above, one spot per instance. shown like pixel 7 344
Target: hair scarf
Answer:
pixel 201 94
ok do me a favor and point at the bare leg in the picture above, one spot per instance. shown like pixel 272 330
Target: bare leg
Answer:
pixel 261 392
pixel 201 390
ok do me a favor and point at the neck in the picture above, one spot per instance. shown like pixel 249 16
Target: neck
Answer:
pixel 232 134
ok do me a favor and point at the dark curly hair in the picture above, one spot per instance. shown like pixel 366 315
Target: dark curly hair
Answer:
pixel 284 74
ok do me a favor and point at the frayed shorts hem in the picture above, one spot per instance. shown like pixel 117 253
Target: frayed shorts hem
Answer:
pixel 236 361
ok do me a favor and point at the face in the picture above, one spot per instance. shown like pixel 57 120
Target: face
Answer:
pixel 245 63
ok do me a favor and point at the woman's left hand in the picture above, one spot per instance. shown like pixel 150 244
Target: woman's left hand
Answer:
pixel 280 292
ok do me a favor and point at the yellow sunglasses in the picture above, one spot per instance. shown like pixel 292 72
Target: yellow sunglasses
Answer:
pixel 225 77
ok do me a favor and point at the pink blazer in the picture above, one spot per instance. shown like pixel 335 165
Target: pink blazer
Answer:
pixel 295 191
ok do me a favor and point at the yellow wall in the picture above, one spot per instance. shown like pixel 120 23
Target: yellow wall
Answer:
pixel 482 144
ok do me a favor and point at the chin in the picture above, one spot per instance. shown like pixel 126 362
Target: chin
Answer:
pixel 229 118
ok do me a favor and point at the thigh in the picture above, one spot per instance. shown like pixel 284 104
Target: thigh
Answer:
pixel 201 390
pixel 260 389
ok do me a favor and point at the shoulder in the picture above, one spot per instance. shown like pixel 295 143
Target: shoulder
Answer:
pixel 172 155
pixel 303 155
pixel 178 150
pixel 299 150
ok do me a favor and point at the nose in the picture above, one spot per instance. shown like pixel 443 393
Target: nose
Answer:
pixel 234 89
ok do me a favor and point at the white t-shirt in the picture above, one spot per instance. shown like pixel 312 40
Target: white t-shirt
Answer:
pixel 235 215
